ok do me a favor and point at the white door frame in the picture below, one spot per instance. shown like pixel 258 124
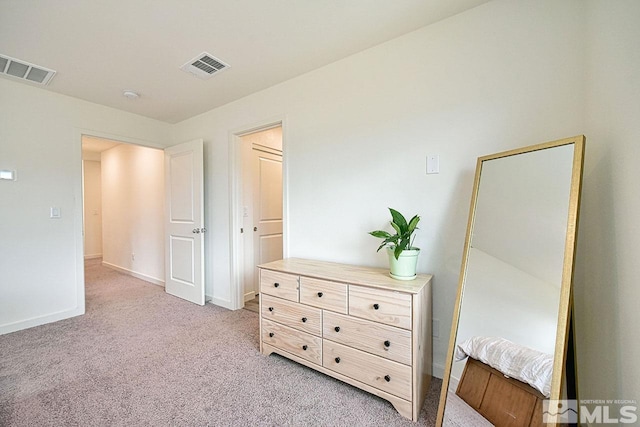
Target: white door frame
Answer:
pixel 235 197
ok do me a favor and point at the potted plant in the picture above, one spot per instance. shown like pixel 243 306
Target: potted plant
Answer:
pixel 403 256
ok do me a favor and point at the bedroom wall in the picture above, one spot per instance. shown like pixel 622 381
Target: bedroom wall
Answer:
pixel 607 270
pixel 41 259
pixel 92 198
pixel 133 212
pixel 357 133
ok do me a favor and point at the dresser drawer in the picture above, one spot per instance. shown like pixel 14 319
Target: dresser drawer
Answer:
pixel 292 341
pixel 383 340
pixel 302 317
pixel 386 375
pixel 278 284
pixel 323 294
pixel 389 307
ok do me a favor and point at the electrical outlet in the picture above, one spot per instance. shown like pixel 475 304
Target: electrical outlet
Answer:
pixel 133 256
pixel 435 328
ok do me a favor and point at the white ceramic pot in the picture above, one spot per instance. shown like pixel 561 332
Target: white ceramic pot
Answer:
pixel 403 268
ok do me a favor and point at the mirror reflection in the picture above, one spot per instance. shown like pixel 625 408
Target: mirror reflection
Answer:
pixel 500 367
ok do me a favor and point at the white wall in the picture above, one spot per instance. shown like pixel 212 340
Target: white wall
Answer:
pixel 92 197
pixel 41 259
pixel 133 210
pixel 357 132
pixel 607 291
pixel 522 211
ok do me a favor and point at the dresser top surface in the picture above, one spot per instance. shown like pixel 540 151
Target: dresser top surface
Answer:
pixel 357 275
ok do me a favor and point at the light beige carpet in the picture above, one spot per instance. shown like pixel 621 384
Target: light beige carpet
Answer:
pixel 140 357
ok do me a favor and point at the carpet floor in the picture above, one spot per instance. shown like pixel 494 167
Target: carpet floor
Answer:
pixel 140 357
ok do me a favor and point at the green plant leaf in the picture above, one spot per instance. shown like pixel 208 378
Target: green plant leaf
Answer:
pixel 399 248
pixel 382 245
pixel 402 239
pixel 390 239
pixel 413 223
pixel 397 228
pixel 399 220
pixel 380 234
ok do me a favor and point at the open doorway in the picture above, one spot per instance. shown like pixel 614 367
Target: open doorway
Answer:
pixel 259 209
pixel 123 207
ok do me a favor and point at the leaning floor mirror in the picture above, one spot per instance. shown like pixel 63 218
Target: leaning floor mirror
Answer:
pixel 511 338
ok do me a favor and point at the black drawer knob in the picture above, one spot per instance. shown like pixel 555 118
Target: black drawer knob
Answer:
pixel 376 306
pixel 387 343
pixel 304 320
pixel 320 294
pixel 337 328
pixel 270 308
pixel 387 378
pixel 304 347
pixel 337 360
pixel 271 334
pixel 275 285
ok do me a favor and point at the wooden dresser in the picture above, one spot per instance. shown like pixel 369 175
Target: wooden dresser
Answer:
pixel 355 324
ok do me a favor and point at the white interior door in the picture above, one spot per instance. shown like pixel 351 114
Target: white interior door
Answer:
pixel 184 221
pixel 267 209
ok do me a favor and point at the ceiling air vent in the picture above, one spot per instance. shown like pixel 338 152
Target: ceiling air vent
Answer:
pixel 204 66
pixel 24 70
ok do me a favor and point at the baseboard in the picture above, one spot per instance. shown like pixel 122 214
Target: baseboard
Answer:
pixel 453 383
pixel 40 320
pixel 221 302
pixel 438 370
pixel 137 275
pixel 93 256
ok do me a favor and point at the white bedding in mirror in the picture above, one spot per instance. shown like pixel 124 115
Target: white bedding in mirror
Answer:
pixel 513 360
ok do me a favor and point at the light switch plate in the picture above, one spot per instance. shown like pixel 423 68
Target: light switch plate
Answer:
pixel 8 175
pixel 433 164
pixel 54 212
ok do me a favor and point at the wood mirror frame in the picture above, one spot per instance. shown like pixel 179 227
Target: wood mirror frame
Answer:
pixel 563 374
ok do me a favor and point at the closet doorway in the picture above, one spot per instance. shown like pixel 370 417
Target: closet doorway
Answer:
pixel 261 206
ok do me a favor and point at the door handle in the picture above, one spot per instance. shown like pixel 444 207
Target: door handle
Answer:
pixel 255 228
pixel 196 230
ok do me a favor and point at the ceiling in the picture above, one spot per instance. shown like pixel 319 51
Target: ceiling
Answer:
pixel 101 48
pixel 93 144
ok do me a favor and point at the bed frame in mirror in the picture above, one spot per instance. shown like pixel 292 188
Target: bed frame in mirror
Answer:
pixel 562 383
